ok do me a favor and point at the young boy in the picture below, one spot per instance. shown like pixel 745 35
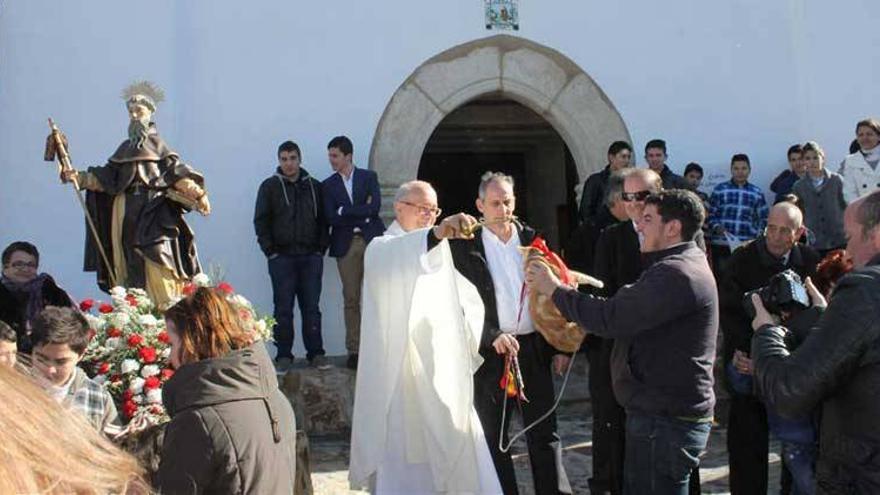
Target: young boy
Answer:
pixel 8 348
pixel 60 336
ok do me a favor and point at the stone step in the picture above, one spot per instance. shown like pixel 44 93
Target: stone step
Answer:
pixel 323 399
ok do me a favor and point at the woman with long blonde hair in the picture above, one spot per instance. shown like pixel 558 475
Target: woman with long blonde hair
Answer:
pixel 47 449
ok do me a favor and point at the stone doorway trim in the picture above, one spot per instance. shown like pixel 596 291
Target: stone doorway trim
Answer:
pixel 534 75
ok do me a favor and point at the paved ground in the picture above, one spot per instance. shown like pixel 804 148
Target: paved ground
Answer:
pixel 329 454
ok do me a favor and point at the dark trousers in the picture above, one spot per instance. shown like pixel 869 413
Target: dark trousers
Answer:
pixel 661 453
pixel 488 402
pixel 609 421
pixel 297 278
pixel 747 445
pixel 720 254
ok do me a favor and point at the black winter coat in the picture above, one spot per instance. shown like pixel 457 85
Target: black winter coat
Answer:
pixel 751 267
pixel 231 429
pixel 838 367
pixel 13 308
pixel 289 217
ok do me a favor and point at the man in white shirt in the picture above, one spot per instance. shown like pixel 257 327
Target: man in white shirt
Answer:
pixel 493 263
pixel 414 427
pixel 352 200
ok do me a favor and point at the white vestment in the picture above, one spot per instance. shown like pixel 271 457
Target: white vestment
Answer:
pixel 414 427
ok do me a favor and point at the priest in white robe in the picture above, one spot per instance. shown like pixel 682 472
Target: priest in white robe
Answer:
pixel 415 430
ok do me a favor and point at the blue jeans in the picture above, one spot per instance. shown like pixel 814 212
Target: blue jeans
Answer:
pixel 297 277
pixel 660 453
pixel 801 461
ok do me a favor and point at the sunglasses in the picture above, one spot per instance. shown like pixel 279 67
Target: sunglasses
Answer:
pixel 636 196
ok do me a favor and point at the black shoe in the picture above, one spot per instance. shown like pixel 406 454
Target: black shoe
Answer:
pixel 283 364
pixel 352 362
pixel 320 362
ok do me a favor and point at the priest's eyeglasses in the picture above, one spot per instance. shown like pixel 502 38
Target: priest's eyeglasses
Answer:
pixel 425 210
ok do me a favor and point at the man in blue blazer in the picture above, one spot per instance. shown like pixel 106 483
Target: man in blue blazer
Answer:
pixel 351 204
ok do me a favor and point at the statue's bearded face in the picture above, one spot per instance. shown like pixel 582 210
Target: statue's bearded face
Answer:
pixel 139 126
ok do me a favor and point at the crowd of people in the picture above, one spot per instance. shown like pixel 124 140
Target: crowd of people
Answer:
pixel 436 315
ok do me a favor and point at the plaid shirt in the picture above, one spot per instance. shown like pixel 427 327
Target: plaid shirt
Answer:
pixel 94 402
pixel 741 210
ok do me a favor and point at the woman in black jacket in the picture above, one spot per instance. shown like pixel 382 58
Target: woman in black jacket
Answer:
pixel 231 429
pixel 24 292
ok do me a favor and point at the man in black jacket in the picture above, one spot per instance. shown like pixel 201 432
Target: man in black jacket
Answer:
pixel 668 322
pixel 655 155
pixel 593 207
pixel 493 263
pixel 837 366
pixel 751 267
pixel 617 262
pixel 293 235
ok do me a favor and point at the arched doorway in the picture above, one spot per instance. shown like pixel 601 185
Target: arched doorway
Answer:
pixel 501 67
pixel 498 134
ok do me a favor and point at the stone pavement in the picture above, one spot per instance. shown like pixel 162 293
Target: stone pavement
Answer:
pixel 329 450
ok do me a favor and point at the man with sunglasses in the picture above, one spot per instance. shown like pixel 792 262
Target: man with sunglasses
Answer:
pixel 617 262
pixel 24 291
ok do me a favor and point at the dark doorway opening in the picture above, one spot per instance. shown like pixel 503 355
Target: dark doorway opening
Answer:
pixel 497 134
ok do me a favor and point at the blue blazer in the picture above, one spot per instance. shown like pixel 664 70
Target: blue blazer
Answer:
pixel 362 213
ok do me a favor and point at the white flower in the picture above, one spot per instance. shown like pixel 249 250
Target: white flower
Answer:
pixel 240 300
pixel 149 370
pixel 114 343
pixel 201 280
pixel 136 385
pixel 166 353
pixel 94 321
pixel 154 396
pixel 130 365
pixel 148 320
pixel 120 319
pixel 260 326
pixel 118 291
pixel 100 379
pixel 138 398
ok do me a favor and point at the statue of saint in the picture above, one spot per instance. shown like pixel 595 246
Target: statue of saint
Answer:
pixel 137 202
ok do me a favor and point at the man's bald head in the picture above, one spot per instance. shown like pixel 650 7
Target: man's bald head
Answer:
pixel 785 225
pixel 787 212
pixel 860 223
pixel 415 205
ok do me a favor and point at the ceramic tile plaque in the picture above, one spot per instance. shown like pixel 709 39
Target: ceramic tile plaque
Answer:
pixel 502 14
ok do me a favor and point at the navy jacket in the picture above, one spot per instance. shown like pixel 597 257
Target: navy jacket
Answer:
pixel 668 319
pixel 362 213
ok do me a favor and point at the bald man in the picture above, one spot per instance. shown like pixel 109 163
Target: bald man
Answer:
pixel 414 427
pixel 749 268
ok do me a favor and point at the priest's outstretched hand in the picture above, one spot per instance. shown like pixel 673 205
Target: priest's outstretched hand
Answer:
pixel 458 226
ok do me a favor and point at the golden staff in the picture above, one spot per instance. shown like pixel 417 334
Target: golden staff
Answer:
pixel 56 148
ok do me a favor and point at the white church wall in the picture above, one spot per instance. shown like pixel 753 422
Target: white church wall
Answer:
pixel 240 77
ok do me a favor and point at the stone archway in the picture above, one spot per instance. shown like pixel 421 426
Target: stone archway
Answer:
pixel 534 75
